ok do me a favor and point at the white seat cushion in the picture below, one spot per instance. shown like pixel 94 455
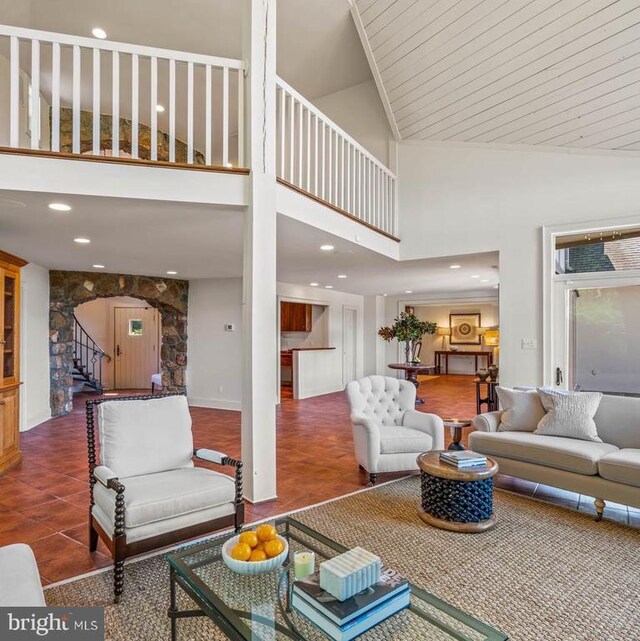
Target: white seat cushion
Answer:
pixel 568 454
pixel 400 440
pixel 145 437
pixel 19 577
pixel 156 497
pixel 622 466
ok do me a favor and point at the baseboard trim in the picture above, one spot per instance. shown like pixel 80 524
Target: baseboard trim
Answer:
pixel 30 423
pixel 214 403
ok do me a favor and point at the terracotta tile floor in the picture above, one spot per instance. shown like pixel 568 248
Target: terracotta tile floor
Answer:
pixel 44 501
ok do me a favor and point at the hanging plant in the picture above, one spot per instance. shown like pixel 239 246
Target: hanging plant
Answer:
pixel 409 329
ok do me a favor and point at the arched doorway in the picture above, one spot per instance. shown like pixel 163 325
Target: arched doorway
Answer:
pixel 70 289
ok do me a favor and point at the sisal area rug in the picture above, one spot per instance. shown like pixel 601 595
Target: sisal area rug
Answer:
pixel 545 573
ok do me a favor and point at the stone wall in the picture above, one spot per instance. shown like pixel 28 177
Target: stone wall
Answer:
pixel 70 289
pixel 125 129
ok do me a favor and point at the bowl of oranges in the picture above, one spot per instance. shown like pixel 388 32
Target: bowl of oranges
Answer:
pixel 255 551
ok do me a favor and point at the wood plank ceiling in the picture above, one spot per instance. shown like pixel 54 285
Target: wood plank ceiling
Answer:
pixel 535 72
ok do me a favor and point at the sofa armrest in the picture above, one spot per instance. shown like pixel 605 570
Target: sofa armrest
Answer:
pixel 104 475
pixel 487 422
pixel 214 456
pixel 428 423
pixel 366 439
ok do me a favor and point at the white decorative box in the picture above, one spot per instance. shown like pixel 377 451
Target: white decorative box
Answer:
pixel 349 573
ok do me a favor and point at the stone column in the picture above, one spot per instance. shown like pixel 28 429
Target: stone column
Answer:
pixel 259 389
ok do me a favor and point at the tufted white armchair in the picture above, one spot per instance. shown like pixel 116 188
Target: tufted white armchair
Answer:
pixel 388 433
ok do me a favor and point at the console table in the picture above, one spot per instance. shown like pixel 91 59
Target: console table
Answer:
pixel 411 372
pixel 447 354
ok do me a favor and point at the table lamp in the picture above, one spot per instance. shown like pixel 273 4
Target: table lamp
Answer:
pixel 444 332
pixel 492 339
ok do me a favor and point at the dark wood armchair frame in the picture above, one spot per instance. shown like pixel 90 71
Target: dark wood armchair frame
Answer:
pixel 118 546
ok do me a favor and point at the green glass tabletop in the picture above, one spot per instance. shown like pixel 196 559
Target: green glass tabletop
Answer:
pixel 257 608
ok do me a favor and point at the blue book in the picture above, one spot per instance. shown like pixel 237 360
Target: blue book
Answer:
pixel 357 626
pixel 340 612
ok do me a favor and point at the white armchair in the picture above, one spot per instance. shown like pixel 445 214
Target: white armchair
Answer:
pixel 388 433
pixel 146 493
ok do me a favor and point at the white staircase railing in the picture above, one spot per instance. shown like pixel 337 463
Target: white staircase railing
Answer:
pixel 118 99
pixel 318 157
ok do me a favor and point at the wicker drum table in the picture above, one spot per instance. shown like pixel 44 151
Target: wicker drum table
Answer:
pixel 457 500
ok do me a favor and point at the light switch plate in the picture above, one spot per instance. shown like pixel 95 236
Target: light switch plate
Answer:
pixel 529 343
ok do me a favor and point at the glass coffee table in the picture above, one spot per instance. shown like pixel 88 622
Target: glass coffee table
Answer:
pixel 256 608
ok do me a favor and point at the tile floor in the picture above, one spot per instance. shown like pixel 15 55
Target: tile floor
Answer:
pixel 44 501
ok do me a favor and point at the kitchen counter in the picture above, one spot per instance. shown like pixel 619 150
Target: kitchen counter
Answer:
pixel 314 370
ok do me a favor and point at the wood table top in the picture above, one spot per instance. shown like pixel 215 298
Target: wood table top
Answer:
pixel 410 366
pixel 430 463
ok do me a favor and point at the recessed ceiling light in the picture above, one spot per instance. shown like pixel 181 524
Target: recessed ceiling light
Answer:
pixel 476 276
pixel 342 275
pixel 159 108
pixel 97 32
pixel 313 284
pixel 496 286
pixel 384 294
pixel 81 241
pixel 98 266
pixel 172 273
pixel 455 266
pixel 328 286
pixel 484 280
pixel 327 248
pixel 59 207
pixel 408 291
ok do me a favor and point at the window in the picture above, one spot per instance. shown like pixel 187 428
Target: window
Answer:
pixel 135 327
pixel 612 251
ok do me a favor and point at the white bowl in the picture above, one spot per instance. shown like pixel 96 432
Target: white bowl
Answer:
pixel 252 567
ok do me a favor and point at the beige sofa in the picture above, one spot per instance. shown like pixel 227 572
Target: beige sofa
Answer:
pixel 609 470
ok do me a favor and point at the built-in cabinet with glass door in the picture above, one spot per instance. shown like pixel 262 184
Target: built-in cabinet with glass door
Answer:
pixel 9 360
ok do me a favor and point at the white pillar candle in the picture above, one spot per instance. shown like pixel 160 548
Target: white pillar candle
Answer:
pixel 304 564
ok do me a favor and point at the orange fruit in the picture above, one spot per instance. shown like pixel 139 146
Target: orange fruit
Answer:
pixel 250 538
pixel 258 555
pixel 260 546
pixel 266 533
pixel 273 548
pixel 241 552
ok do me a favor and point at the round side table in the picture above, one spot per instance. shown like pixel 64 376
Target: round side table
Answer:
pixel 454 499
pixel 456 426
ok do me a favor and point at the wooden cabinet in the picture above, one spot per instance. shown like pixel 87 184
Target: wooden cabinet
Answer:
pixel 9 360
pixel 295 317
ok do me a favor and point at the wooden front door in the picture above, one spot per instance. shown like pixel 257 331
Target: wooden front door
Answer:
pixel 137 333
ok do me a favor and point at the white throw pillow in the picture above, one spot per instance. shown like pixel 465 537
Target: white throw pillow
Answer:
pixel 569 414
pixel 523 410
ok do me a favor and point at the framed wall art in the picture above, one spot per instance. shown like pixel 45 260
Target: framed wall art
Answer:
pixel 465 329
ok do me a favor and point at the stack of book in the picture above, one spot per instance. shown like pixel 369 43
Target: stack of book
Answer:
pixel 463 459
pixel 345 620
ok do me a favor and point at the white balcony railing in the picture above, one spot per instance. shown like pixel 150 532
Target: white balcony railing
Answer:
pixel 83 95
pixel 319 158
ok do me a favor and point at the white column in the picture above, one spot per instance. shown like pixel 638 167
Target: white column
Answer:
pixel 374 346
pixel 260 348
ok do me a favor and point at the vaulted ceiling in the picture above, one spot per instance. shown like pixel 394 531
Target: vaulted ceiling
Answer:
pixel 534 72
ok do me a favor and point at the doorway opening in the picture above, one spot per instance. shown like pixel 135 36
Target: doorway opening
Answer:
pixel 125 332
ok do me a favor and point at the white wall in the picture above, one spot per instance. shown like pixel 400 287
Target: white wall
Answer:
pixel 460 199
pixel 97 317
pixel 439 313
pixel 34 346
pixel 214 356
pixel 359 111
